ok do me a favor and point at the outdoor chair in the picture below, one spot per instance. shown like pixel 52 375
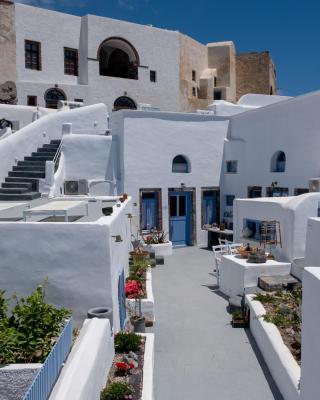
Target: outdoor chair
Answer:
pixel 218 252
pixel 234 247
pixel 223 242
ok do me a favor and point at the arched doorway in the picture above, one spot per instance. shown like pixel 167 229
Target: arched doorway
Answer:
pixel 124 103
pixel 118 58
pixel 52 96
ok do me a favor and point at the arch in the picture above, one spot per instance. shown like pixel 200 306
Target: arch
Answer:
pixel 124 103
pixel 52 96
pixel 118 58
pixel 278 161
pixel 180 164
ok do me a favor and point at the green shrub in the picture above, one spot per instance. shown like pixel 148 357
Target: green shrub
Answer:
pixel 28 332
pixel 116 391
pixel 125 342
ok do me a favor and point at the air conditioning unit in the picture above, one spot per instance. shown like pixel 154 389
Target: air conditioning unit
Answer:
pixel 79 187
pixel 314 185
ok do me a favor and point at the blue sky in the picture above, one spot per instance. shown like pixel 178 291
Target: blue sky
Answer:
pixel 289 29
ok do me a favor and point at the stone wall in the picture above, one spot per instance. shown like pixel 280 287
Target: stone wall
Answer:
pixel 8 92
pixel 255 73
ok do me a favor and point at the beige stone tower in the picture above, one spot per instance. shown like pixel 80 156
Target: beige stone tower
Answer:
pixel 255 73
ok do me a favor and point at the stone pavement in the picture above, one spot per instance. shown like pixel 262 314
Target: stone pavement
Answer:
pixel 198 355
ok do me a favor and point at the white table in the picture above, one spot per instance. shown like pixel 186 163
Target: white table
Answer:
pixel 236 274
pixel 55 209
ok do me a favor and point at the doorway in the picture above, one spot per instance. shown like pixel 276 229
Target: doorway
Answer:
pixel 180 218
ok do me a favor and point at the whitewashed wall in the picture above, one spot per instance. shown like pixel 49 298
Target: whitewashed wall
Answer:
pixel 86 369
pixel 150 141
pixel 310 334
pixel 254 136
pixel 312 256
pixel 75 257
pixel 57 30
pixel 24 115
pixel 291 212
pixel 91 119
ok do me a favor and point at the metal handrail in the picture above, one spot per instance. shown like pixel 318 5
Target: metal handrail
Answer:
pixel 57 156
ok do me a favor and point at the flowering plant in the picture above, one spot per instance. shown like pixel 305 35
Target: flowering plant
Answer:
pixel 132 289
pixel 155 237
pixel 124 368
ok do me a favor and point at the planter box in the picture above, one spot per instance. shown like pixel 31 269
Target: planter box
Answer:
pixel 147 305
pixel 148 366
pixel 162 249
pixel 283 367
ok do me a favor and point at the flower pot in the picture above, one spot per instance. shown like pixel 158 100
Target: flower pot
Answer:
pixel 139 324
pixel 101 313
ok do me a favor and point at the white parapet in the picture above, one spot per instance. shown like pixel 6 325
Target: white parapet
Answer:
pixel 85 372
pixel 310 334
pixel 282 366
pixel 148 364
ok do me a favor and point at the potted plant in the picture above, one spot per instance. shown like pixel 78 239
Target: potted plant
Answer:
pixel 134 290
pixel 240 319
pixel 156 241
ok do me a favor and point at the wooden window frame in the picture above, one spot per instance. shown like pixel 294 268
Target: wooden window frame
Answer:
pixel 32 56
pixel 71 64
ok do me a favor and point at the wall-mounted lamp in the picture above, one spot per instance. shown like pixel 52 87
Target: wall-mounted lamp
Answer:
pixel 118 238
pixel 182 185
pixel 273 184
pixel 130 216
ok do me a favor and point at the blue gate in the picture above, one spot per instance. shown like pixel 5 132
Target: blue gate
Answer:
pixel 122 300
pixel 180 218
pixel 49 372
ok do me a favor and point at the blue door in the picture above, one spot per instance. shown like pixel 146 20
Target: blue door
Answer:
pixel 122 300
pixel 210 207
pixel 180 218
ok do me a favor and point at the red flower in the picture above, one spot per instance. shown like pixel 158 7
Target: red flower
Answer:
pixel 122 366
pixel 131 365
pixel 132 288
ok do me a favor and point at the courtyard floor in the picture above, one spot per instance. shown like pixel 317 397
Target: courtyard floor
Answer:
pixel 198 355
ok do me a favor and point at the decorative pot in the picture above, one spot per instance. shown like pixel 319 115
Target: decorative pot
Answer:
pixel 139 324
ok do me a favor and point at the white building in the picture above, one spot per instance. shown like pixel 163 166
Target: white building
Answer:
pixel 51 55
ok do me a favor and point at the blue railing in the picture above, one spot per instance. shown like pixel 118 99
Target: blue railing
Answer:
pixel 46 377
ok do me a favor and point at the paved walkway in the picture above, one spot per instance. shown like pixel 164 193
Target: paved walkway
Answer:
pixel 198 355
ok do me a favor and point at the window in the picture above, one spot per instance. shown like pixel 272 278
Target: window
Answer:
pixel 298 191
pixel 229 200
pixel 153 76
pixel 70 61
pixel 210 206
pixel 217 95
pixel 180 164
pixel 232 167
pixel 32 101
pixel 194 91
pixel 278 162
pixel 53 96
pixel 150 209
pixel 32 55
pixel 78 100
pixel 254 191
pixel 251 229
pixel 118 58
pixel 124 103
pixel 215 81
pixel 277 192
pixel 194 75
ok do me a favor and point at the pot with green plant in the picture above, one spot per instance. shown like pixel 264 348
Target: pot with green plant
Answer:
pixel 240 319
pixel 117 391
pixel 156 242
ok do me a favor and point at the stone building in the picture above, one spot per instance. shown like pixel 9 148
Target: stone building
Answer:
pixel 53 56
pixel 255 73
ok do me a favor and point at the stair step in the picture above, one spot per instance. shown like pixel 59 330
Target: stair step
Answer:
pixel 50 146
pixel 29 163
pixel 26 168
pixel 27 174
pixel 15 190
pixel 45 150
pixel 9 185
pixel 55 141
pixel 39 157
pixel 18 197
